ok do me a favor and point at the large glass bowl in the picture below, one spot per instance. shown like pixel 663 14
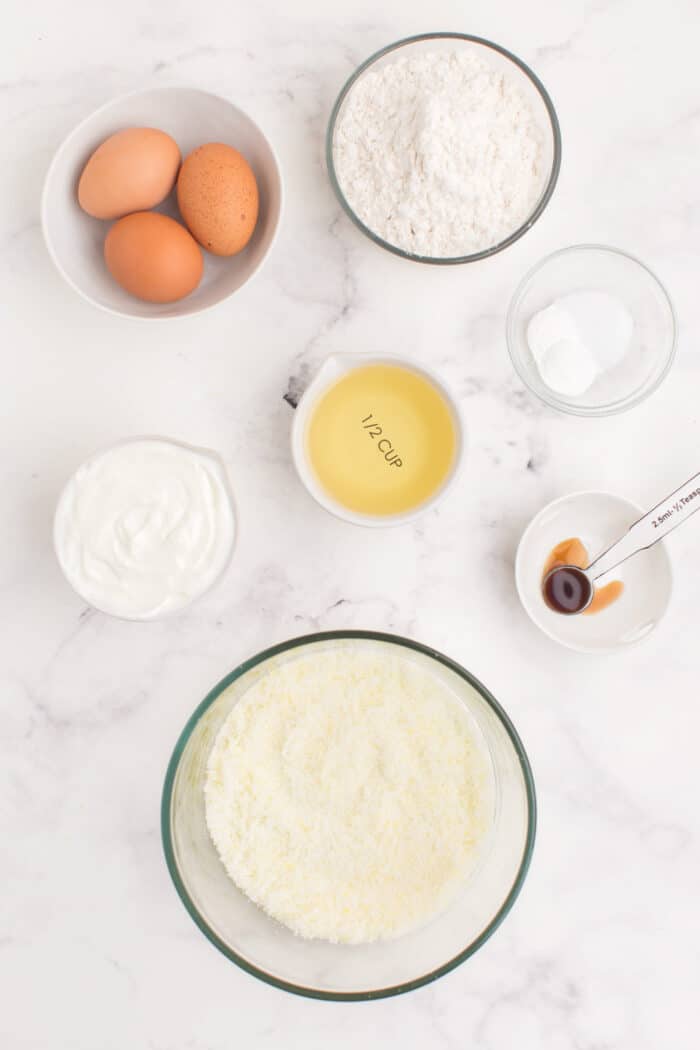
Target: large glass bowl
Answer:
pixel 267 949
pixel 500 60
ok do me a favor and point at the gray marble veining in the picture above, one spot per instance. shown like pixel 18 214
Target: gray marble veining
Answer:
pixel 96 952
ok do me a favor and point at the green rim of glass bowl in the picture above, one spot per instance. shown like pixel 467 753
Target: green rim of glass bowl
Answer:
pixel 612 407
pixel 380 993
pixel 548 190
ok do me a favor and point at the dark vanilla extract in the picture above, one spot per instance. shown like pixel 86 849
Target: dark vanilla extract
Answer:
pixel 568 590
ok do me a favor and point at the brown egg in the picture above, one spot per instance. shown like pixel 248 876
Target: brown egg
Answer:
pixel 218 198
pixel 133 170
pixel 153 257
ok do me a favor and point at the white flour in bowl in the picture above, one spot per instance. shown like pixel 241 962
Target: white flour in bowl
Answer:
pixel 439 154
pixel 348 794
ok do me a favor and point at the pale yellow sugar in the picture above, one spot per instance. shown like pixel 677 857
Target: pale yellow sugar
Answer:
pixel 348 793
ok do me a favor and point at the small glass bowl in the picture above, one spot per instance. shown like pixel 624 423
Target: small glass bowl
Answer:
pixel 597 268
pixel 499 59
pixel 347 972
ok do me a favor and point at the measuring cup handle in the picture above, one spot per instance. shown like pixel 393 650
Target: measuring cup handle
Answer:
pixel 662 519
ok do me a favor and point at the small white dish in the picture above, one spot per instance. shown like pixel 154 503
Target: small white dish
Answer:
pixel 597 519
pixel 332 369
pixel 61 532
pixel 75 240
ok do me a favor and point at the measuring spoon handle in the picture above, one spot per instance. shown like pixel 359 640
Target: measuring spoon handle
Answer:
pixel 662 519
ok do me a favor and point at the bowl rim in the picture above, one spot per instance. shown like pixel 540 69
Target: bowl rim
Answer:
pixel 406 986
pixel 544 198
pixel 65 143
pixel 611 408
pixel 576 647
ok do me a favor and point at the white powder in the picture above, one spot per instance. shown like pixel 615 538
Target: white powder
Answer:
pixel 347 794
pixel 578 337
pixel 439 154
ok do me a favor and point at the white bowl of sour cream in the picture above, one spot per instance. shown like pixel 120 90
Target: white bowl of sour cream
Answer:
pixel 145 527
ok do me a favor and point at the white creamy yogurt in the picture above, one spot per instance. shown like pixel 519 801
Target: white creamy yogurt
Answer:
pixel 143 529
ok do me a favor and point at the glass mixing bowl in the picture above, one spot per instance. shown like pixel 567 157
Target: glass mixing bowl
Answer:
pixel 597 268
pixel 498 59
pixel 267 949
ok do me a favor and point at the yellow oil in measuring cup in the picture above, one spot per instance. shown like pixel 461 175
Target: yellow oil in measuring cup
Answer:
pixel 381 440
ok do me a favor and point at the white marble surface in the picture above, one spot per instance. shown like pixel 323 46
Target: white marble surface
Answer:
pixel 96 951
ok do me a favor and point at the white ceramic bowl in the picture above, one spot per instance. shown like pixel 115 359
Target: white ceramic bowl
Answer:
pixel 209 585
pixel 598 519
pixel 329 373
pixel 75 240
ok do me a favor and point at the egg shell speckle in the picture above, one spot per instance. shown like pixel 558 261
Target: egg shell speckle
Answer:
pixel 218 198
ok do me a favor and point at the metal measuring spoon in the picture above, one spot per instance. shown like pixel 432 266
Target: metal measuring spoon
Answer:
pixel 568 589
